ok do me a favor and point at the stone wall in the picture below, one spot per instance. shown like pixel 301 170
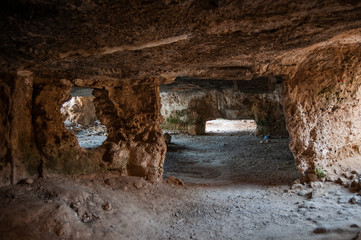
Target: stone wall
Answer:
pixel 322 107
pixel 189 110
pixel 5 149
pixel 308 43
pixel 135 144
pixel 19 156
pixel 35 141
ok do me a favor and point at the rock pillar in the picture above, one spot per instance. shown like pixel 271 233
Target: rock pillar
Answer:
pixel 322 108
pixel 135 144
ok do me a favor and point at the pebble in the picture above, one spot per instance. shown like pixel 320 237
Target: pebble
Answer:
pixel 175 181
pixel 307 205
pixel 138 184
pixel 297 186
pixel 355 200
pixel 107 181
pixel 303 192
pixel 29 181
pixel 320 230
pixel 107 206
pixel 26 181
pixel 86 218
pixel 316 184
pixel 75 205
pixel 355 185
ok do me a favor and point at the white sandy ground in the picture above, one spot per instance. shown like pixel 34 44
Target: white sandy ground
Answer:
pixel 224 126
pixel 235 188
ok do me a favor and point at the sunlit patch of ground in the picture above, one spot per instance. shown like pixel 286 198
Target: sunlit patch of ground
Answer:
pixel 230 126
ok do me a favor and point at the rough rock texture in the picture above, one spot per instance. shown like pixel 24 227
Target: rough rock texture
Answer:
pixel 322 104
pixel 59 149
pixel 19 156
pixel 79 110
pixel 36 142
pixel 129 47
pixel 133 40
pixel 188 107
pixel 135 144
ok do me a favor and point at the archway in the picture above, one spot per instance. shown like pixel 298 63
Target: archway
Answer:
pixel 200 154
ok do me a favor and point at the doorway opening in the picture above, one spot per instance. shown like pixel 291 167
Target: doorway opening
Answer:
pixel 230 152
pixel 224 126
pixel 80 118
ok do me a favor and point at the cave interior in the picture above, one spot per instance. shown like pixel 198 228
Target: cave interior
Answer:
pixel 137 69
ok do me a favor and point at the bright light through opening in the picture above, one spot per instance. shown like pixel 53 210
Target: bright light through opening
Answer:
pixel 80 118
pixel 230 126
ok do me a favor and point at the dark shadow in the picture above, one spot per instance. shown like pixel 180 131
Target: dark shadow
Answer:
pixel 214 160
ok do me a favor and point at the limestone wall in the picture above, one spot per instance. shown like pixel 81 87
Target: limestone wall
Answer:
pixel 135 144
pixel 189 110
pixel 36 143
pixel 19 157
pixel 322 107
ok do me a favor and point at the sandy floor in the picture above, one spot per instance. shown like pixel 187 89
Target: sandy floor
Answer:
pixel 229 159
pixel 235 188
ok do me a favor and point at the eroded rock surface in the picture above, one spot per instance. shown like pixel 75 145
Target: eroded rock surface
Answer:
pixel 126 49
pixel 133 40
pixel 38 144
pixel 322 107
pixel 188 106
pixel 135 143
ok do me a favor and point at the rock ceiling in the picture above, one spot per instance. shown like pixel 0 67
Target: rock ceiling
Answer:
pixel 137 40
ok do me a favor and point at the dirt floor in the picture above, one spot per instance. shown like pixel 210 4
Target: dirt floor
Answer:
pixel 235 188
pixel 229 156
pixel 90 136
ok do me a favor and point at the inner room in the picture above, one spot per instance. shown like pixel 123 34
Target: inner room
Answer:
pixel 109 116
pixel 219 152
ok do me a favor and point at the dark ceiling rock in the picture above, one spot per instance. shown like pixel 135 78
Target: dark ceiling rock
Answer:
pixel 135 40
pixel 256 86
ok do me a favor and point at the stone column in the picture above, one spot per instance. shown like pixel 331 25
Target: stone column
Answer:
pixel 18 153
pixel 322 108
pixel 5 145
pixel 135 144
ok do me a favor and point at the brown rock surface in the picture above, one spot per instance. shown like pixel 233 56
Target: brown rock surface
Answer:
pixel 19 156
pixel 132 40
pixel 135 143
pixel 126 49
pixel 188 106
pixel 322 103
